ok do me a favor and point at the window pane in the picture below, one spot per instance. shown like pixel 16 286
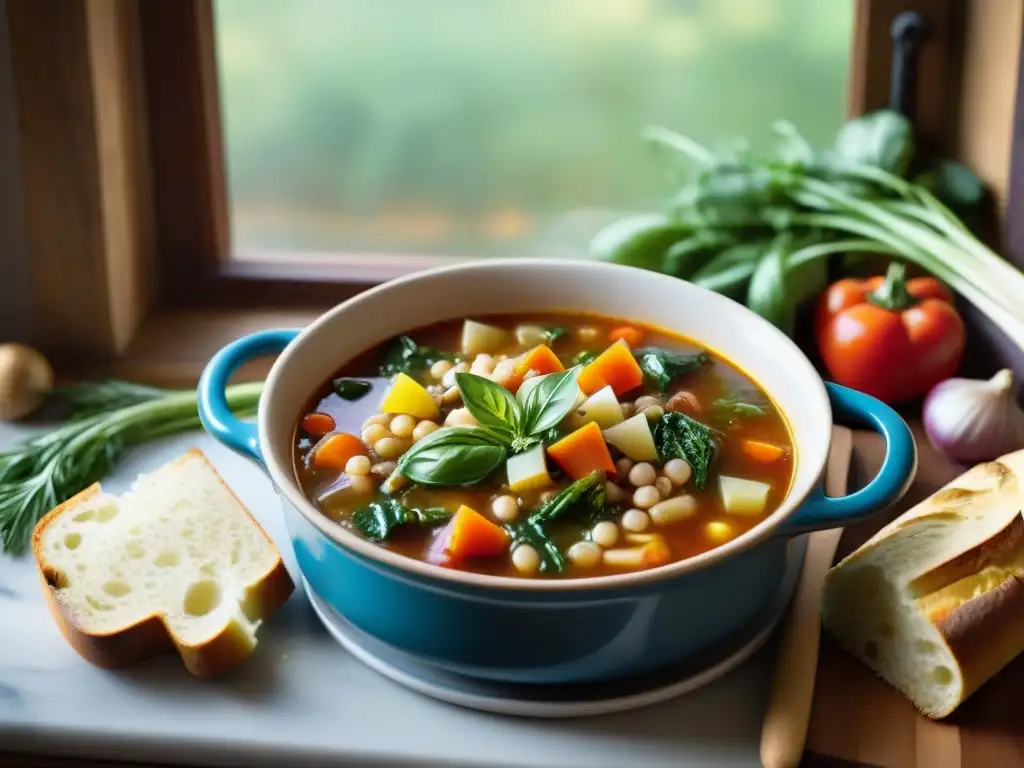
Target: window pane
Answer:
pixel 496 127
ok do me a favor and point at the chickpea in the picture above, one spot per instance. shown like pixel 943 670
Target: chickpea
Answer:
pixel 677 470
pixel 623 465
pixel 646 497
pixel 654 413
pixel 635 520
pixel 605 534
pixel 358 465
pixel 403 426
pixel 375 432
pixel 448 380
pixel 525 559
pixel 482 365
pixel 451 396
pixel 642 474
pixel 461 417
pixel 646 401
pixel 584 554
pixel 505 508
pixel 388 448
pixel 613 493
pixel 664 486
pixel 423 429
pixel 440 368
pixel 360 485
pixel 381 418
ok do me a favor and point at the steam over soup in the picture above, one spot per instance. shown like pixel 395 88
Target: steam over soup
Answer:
pixel 548 446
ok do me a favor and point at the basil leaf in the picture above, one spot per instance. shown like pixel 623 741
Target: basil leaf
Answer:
pixel 547 399
pixel 883 138
pixel 490 404
pixel 661 366
pixel 677 436
pixel 351 389
pixel 405 356
pixel 377 520
pixel 453 456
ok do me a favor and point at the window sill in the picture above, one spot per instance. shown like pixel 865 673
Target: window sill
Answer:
pixel 171 348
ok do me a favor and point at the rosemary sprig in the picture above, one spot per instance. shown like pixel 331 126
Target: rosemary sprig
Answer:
pixel 104 419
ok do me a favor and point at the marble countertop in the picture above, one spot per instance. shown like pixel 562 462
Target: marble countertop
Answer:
pixel 302 699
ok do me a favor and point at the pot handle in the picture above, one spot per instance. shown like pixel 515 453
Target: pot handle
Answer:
pixel 892 481
pixel 214 413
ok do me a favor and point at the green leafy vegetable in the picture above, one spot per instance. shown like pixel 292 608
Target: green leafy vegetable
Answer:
pixel 733 405
pixel 546 400
pixel 583 357
pixel 583 499
pixel 377 520
pixel 553 333
pixel 492 405
pixel 677 436
pixel 405 356
pixel 48 470
pixel 352 389
pixel 453 456
pixel 662 366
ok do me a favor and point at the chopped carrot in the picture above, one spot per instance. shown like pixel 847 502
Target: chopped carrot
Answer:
pixel 656 553
pixel 540 359
pixel 317 424
pixel 473 535
pixel 630 334
pixel 615 367
pixel 333 452
pixel 581 452
pixel 759 451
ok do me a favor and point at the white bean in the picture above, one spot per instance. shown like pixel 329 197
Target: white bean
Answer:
pixel 677 470
pixel 451 396
pixel 448 380
pixel 635 520
pixel 389 448
pixel 613 493
pixel 605 534
pixel 482 365
pixel 505 508
pixel 664 486
pixel 525 559
pixel 623 465
pixel 654 413
pixel 423 429
pixel 504 373
pixel 646 401
pixel 402 426
pixel 642 474
pixel 632 557
pixel 673 510
pixel 381 418
pixel 440 368
pixel 646 497
pixel 358 465
pixel 584 554
pixel 375 432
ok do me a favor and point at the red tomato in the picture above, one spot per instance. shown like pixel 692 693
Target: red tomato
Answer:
pixel 890 337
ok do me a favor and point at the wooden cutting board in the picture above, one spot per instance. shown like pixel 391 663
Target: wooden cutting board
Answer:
pixel 859 720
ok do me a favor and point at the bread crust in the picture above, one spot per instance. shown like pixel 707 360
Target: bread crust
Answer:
pixel 150 636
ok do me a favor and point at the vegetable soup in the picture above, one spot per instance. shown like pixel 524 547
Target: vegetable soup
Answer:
pixel 550 446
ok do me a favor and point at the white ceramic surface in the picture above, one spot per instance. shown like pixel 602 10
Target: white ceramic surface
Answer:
pixel 562 700
pixel 517 286
pixel 303 700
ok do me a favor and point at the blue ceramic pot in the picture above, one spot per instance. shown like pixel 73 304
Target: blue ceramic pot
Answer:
pixel 539 630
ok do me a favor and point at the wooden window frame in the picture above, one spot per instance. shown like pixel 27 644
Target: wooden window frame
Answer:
pixel 128 101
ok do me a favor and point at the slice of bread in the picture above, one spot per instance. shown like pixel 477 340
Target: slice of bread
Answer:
pixel 934 602
pixel 175 563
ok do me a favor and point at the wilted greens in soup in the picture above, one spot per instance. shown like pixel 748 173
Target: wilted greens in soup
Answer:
pixel 551 446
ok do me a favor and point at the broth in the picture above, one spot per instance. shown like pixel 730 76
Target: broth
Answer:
pixel 751 442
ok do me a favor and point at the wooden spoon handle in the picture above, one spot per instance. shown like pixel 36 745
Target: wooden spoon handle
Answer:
pixel 784 732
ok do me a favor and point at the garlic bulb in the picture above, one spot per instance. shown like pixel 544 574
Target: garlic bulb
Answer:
pixel 972 420
pixel 25 379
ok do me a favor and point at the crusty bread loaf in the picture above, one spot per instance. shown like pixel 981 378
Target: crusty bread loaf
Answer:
pixel 934 602
pixel 175 563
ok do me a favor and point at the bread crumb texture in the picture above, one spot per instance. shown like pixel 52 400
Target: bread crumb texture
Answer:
pixel 178 546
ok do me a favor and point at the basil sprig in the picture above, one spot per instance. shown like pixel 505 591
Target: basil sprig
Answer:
pixel 508 424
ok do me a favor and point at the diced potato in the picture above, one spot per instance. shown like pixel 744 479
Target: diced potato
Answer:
pixel 743 497
pixel 408 396
pixel 602 407
pixel 528 471
pixel 480 338
pixel 633 437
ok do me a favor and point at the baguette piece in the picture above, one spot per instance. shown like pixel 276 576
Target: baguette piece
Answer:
pixel 934 602
pixel 176 563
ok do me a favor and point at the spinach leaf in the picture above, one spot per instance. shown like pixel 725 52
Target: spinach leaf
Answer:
pixel 545 400
pixel 677 436
pixel 584 499
pixel 405 356
pixel 584 357
pixel 553 333
pixel 377 520
pixel 453 456
pixel 351 389
pixel 662 366
pixel 491 404
pixel 732 405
